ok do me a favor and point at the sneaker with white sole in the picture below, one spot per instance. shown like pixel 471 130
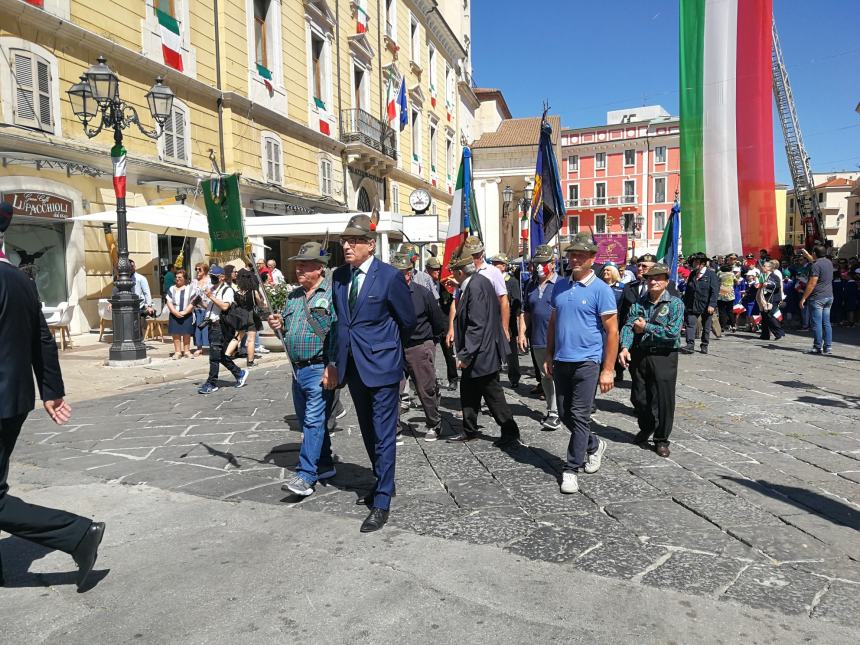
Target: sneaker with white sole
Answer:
pixel 569 483
pixel 551 422
pixel 595 459
pixel 262 350
pixel 243 376
pixel 432 434
pixel 298 486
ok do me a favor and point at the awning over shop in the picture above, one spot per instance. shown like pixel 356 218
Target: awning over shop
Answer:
pixel 173 219
pixel 315 225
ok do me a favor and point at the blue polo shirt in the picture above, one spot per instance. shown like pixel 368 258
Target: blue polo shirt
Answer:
pixel 578 307
pixel 538 307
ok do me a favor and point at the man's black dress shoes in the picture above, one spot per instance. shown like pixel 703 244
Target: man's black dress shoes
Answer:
pixel 507 442
pixel 462 437
pixel 87 551
pixel 375 521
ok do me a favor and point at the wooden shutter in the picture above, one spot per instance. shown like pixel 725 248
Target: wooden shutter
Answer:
pixel 179 135
pixel 32 91
pixel 170 138
pixel 276 161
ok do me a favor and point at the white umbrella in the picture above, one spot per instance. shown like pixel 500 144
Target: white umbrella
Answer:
pixel 173 219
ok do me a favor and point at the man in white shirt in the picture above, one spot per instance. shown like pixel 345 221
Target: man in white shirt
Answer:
pixel 221 297
pixel 140 288
pixel 277 276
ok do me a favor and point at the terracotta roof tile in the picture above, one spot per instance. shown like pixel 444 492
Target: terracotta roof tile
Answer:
pixel 836 182
pixel 518 132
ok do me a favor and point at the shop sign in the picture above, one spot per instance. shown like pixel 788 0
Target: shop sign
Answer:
pixel 39 205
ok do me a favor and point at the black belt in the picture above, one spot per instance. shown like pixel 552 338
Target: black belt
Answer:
pixel 316 360
pixel 657 350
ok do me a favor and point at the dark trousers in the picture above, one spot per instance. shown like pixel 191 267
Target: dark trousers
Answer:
pixel 217 357
pixel 377 409
pixel 538 368
pixel 652 392
pixel 490 389
pixel 48 527
pixel 575 386
pixel 707 321
pixel 727 316
pixel 770 324
pixel 450 363
pixel 514 361
pixel 421 365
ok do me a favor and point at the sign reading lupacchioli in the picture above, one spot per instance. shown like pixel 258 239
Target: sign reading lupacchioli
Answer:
pixel 35 204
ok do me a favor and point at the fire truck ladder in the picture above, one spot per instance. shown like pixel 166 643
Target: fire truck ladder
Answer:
pixel 798 161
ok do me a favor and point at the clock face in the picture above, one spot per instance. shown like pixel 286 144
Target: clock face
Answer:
pixel 419 200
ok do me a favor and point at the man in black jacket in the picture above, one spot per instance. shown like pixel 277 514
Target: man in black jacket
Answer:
pixel 700 301
pixel 480 345
pixel 420 347
pixel 516 319
pixel 26 346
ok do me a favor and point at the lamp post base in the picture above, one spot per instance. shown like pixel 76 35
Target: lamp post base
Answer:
pixel 128 339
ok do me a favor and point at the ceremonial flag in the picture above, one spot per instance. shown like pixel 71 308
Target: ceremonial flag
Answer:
pixel 667 252
pixel 171 41
pixel 464 213
pixel 547 207
pixel 363 19
pixel 727 126
pixel 224 213
pixel 402 104
pixel 118 157
pixel 266 75
pixel 390 102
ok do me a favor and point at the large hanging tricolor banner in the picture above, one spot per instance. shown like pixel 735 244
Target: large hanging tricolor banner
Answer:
pixel 727 180
pixel 171 40
pixel 464 212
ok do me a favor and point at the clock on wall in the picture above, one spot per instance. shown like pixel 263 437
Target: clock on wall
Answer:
pixel 419 200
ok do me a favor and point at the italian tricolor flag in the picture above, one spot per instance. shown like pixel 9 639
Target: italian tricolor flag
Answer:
pixel 363 19
pixel 118 157
pixel 464 213
pixel 727 180
pixel 171 41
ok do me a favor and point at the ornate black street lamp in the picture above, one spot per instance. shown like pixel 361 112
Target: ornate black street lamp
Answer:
pixel 96 98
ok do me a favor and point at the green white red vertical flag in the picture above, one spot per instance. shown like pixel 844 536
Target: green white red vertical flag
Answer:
pixel 363 20
pixel 118 157
pixel 171 40
pixel 727 180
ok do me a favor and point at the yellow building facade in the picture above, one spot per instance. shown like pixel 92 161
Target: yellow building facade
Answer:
pixel 291 94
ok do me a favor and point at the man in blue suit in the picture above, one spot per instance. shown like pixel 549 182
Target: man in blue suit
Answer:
pixel 374 316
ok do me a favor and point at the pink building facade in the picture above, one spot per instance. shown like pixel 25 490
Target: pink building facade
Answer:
pixel 622 174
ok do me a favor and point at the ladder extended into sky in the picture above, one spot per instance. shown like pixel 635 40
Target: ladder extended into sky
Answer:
pixel 798 161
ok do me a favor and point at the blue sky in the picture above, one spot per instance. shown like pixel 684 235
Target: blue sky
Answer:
pixel 589 57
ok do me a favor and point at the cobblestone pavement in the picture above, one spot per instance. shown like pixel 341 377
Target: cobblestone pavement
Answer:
pixel 759 503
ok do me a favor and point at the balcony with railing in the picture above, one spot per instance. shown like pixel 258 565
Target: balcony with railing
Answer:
pixel 370 143
pixel 597 202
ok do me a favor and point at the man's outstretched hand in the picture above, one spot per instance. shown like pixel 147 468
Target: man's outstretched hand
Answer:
pixel 58 410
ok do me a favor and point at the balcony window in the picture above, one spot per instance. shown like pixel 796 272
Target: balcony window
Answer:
pixel 261 33
pixel 573 225
pixel 449 158
pixel 660 190
pixel 573 163
pixel 416 136
pixel 361 89
pixel 449 86
pixel 629 157
pixel 272 158
pixel 659 221
pixel 660 154
pixel 433 142
pixel 391 19
pixel 431 68
pixel 599 194
pixel 415 40
pixel 600 160
pixel 600 223
pixel 573 195
pixel 629 191
pixel 325 177
pixel 317 45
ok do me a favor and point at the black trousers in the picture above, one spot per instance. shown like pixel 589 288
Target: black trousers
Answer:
pixel 514 361
pixel 727 316
pixel 450 363
pixel 217 356
pixel 770 324
pixel 653 391
pixel 48 527
pixel 575 388
pixel 490 389
pixel 707 321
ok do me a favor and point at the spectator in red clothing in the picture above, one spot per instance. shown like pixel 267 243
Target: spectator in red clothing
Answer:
pixel 265 273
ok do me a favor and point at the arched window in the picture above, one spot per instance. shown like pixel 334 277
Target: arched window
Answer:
pixel 363 204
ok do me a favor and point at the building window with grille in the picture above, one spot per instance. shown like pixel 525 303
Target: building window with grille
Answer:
pixel 660 154
pixel 600 223
pixel 573 163
pixel 660 190
pixel 629 157
pixel 659 221
pixel 272 159
pixel 175 143
pixel 600 160
pixel 32 78
pixel 325 177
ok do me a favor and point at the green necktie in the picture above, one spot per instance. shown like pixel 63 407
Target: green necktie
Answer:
pixel 353 288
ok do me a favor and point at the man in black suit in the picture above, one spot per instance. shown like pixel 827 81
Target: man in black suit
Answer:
pixel 27 346
pixel 700 301
pixel 480 345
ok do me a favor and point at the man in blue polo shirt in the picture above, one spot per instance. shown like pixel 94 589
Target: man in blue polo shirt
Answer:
pixel 582 334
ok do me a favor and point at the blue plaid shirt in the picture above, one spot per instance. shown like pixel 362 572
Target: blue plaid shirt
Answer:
pixel 302 341
pixel 662 329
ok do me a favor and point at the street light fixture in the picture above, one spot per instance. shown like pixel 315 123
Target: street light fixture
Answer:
pixel 96 96
pixel 508 195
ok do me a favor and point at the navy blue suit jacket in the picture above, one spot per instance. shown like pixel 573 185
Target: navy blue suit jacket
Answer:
pixel 374 332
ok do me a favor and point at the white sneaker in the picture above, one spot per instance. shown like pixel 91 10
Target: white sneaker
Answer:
pixel 595 459
pixel 569 483
pixel 261 350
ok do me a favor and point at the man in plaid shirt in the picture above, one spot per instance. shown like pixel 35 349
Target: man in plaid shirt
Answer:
pixel 308 321
pixel 650 339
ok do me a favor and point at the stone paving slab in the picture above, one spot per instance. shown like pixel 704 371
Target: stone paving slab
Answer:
pixel 752 481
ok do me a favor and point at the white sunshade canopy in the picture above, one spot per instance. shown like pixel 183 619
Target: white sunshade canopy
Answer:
pixel 172 219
